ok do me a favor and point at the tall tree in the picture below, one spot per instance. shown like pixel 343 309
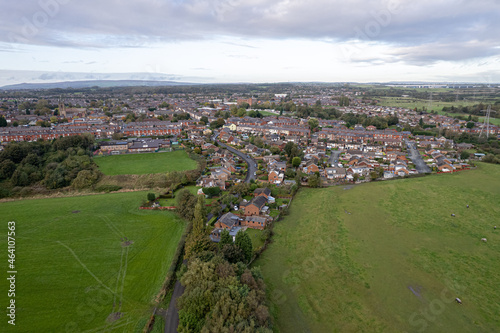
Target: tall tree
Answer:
pixel 186 202
pixel 244 242
pixel 199 215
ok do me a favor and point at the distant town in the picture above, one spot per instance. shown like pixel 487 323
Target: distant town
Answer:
pixel 340 132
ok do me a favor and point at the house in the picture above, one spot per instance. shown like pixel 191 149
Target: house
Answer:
pixel 262 191
pixel 275 177
pixel 310 167
pixel 210 182
pixel 255 222
pixel 255 206
pixel 220 174
pixel 335 173
pixel 228 221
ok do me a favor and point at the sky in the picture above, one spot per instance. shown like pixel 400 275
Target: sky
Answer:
pixel 250 40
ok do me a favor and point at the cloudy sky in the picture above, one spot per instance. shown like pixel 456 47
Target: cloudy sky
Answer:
pixel 251 40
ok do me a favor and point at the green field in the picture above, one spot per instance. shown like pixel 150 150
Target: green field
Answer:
pixel 389 257
pixel 74 270
pixel 140 164
pixel 411 103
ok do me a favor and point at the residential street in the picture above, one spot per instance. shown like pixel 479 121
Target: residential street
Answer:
pixel 415 157
pixel 334 157
pixel 251 163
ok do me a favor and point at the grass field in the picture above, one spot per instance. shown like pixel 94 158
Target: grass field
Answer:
pixel 389 257
pixel 411 103
pixel 74 270
pixel 140 164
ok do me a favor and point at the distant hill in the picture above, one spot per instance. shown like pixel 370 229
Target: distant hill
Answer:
pixel 95 83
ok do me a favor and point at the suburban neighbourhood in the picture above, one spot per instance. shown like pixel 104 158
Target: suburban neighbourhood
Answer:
pixel 223 169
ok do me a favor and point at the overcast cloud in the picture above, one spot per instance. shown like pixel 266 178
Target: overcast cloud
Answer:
pixel 411 32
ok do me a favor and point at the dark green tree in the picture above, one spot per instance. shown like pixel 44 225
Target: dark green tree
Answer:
pixel 225 239
pixel 199 216
pixel 186 201
pixel 232 253
pixel 313 123
pixel 244 242
pixel 151 197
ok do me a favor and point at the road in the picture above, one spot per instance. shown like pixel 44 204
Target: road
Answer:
pixel 250 162
pixel 334 157
pixel 416 158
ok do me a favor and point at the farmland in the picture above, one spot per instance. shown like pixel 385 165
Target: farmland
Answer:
pixel 80 259
pixel 389 257
pixel 141 164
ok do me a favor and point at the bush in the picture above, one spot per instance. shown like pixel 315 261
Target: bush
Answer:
pixel 151 197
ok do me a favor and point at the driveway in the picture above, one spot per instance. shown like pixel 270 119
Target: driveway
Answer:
pixel 250 162
pixel 416 158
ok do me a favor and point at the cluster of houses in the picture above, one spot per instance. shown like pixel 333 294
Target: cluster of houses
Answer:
pixel 252 214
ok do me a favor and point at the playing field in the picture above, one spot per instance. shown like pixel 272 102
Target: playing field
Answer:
pixel 86 264
pixel 389 257
pixel 140 164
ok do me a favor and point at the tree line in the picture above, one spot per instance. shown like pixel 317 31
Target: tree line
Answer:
pixel 222 294
pixel 51 164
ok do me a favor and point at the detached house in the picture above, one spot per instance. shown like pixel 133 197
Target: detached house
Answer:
pixel 255 206
pixel 310 167
pixel 335 173
pixel 275 177
pixel 228 221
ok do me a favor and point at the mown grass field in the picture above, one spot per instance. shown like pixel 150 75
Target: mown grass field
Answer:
pixel 74 269
pixel 389 257
pixel 140 164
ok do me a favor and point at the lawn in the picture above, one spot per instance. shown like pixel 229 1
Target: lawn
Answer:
pixel 140 164
pixel 389 257
pixel 74 267
pixel 256 237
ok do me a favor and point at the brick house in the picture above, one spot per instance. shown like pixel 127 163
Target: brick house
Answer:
pixel 262 191
pixel 255 206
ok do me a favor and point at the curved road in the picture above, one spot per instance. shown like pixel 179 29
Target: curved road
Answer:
pixel 416 158
pixel 250 162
